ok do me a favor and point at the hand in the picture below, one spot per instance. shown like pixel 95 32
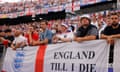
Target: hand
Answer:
pixel 18 45
pixel 13 48
pixel 78 39
pixel 66 40
pixel 9 41
pixel 110 40
pixel 29 32
pixel 54 41
pixel 35 43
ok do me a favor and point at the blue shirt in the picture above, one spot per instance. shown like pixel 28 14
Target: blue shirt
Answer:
pixel 47 34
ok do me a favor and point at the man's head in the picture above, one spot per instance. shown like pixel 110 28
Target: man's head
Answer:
pixel 43 24
pixel 17 33
pixel 8 32
pixel 114 18
pixel 2 33
pixel 64 27
pixel 85 21
pixel 108 20
pixel 31 29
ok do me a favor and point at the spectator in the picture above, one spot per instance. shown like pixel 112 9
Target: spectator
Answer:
pixel 19 41
pixel 45 36
pixel 32 35
pixel 1 40
pixel 86 31
pixel 112 31
pixel 94 21
pixel 9 36
pixel 64 35
pixel 107 22
pixel 1 37
pixel 2 33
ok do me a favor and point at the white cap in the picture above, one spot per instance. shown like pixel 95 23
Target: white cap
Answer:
pixel 85 15
pixel 65 25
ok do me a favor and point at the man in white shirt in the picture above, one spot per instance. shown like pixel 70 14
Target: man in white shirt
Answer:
pixel 19 41
pixel 64 35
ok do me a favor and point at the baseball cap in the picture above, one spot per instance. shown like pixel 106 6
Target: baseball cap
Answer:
pixel 86 16
pixel 65 25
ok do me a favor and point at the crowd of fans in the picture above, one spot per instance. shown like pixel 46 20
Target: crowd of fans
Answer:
pixel 21 6
pixel 87 27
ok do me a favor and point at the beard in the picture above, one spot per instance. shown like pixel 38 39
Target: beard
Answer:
pixel 114 24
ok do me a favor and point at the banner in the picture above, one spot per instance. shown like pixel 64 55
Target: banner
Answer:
pixel 89 56
pixel 86 2
pixel 53 8
pixel 68 7
pixel 13 15
pixel 28 11
pixel 22 13
pixel 38 11
pixel 118 4
pixel 76 5
pixel 116 63
pixel 61 7
pixel 44 11
pixel 3 16
pixel 20 60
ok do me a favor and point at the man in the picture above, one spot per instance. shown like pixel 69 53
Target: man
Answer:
pixel 64 35
pixel 1 38
pixel 94 20
pixel 107 22
pixel 9 36
pixel 86 31
pixel 19 41
pixel 45 36
pixel 112 32
pixel 2 33
pixel 31 35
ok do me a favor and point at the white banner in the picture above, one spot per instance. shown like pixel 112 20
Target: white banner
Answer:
pixel 118 4
pixel 91 56
pixel 116 63
pixel 76 5
pixel 68 7
pixel 20 60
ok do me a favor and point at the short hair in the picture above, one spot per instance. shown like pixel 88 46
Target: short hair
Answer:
pixel 8 30
pixel 114 14
pixel 46 22
pixel 1 31
pixel 108 15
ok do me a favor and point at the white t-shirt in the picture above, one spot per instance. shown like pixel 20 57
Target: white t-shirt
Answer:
pixel 68 35
pixel 95 24
pixel 20 39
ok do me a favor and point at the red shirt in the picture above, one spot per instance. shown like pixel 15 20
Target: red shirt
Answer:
pixel 35 36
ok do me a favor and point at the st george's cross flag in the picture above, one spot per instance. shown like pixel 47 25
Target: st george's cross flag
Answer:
pixel 89 56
